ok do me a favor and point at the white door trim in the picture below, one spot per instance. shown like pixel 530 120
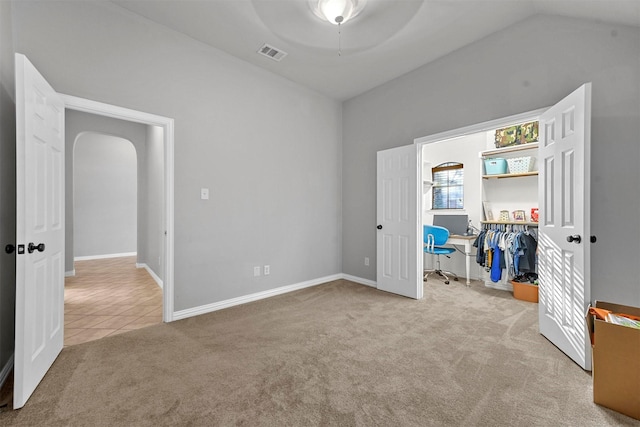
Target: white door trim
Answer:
pixel 108 110
pixel 470 130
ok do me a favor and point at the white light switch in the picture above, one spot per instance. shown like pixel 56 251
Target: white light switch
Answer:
pixel 204 193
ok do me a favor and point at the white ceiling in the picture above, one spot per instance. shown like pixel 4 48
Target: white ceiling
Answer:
pixel 387 39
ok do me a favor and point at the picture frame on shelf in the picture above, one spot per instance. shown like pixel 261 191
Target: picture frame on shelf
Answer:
pixel 519 216
pixel 487 212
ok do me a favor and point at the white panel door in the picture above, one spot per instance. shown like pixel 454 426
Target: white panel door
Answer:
pixel 39 229
pixel 399 235
pixel 563 247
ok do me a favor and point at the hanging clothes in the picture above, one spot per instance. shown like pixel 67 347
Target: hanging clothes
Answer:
pixel 512 248
pixel 529 246
pixel 498 255
pixel 479 244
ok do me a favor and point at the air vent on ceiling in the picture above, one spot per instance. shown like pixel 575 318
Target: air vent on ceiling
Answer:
pixel 272 52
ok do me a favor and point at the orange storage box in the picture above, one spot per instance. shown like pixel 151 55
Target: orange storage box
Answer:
pixel 525 291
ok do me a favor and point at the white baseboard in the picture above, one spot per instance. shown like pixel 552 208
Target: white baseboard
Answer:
pixel 360 280
pixel 6 369
pixel 90 257
pixel 208 308
pixel 70 273
pixel 151 273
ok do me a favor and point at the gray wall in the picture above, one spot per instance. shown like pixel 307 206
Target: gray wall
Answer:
pixel 154 201
pixel 105 195
pixel 530 65
pixel 7 184
pixel 78 122
pixel 268 149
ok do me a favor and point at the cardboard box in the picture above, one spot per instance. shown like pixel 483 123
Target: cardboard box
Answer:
pixel 616 361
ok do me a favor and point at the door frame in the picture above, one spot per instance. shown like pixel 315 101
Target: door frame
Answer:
pixel 464 131
pixel 113 111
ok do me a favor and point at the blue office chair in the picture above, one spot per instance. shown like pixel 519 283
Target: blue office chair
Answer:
pixel 434 238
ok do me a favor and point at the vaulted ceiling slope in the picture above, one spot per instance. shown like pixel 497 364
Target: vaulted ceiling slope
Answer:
pixel 387 39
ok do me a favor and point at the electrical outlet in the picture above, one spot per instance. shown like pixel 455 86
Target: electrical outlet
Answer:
pixel 267 270
pixel 366 260
pixel 256 271
pixel 204 194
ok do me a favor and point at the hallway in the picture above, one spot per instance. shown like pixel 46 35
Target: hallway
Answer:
pixel 108 297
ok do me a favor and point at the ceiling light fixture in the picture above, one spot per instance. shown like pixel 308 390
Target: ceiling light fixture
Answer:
pixel 337 12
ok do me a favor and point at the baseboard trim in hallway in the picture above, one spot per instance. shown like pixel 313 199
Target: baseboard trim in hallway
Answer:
pixel 105 256
pixel 151 273
pixel 6 370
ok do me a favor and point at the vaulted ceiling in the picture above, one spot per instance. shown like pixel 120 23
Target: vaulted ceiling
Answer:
pixel 387 39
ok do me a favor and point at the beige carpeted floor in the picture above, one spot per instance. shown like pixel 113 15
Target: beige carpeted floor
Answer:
pixel 336 354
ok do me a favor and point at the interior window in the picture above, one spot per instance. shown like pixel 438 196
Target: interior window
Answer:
pixel 448 186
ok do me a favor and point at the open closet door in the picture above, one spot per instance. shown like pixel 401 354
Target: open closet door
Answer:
pixel 39 229
pixel 563 246
pixel 399 234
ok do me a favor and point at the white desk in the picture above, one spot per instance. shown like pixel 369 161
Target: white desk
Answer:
pixel 467 241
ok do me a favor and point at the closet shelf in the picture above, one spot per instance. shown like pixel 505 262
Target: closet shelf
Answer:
pixel 510 223
pixel 512 149
pixel 510 175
